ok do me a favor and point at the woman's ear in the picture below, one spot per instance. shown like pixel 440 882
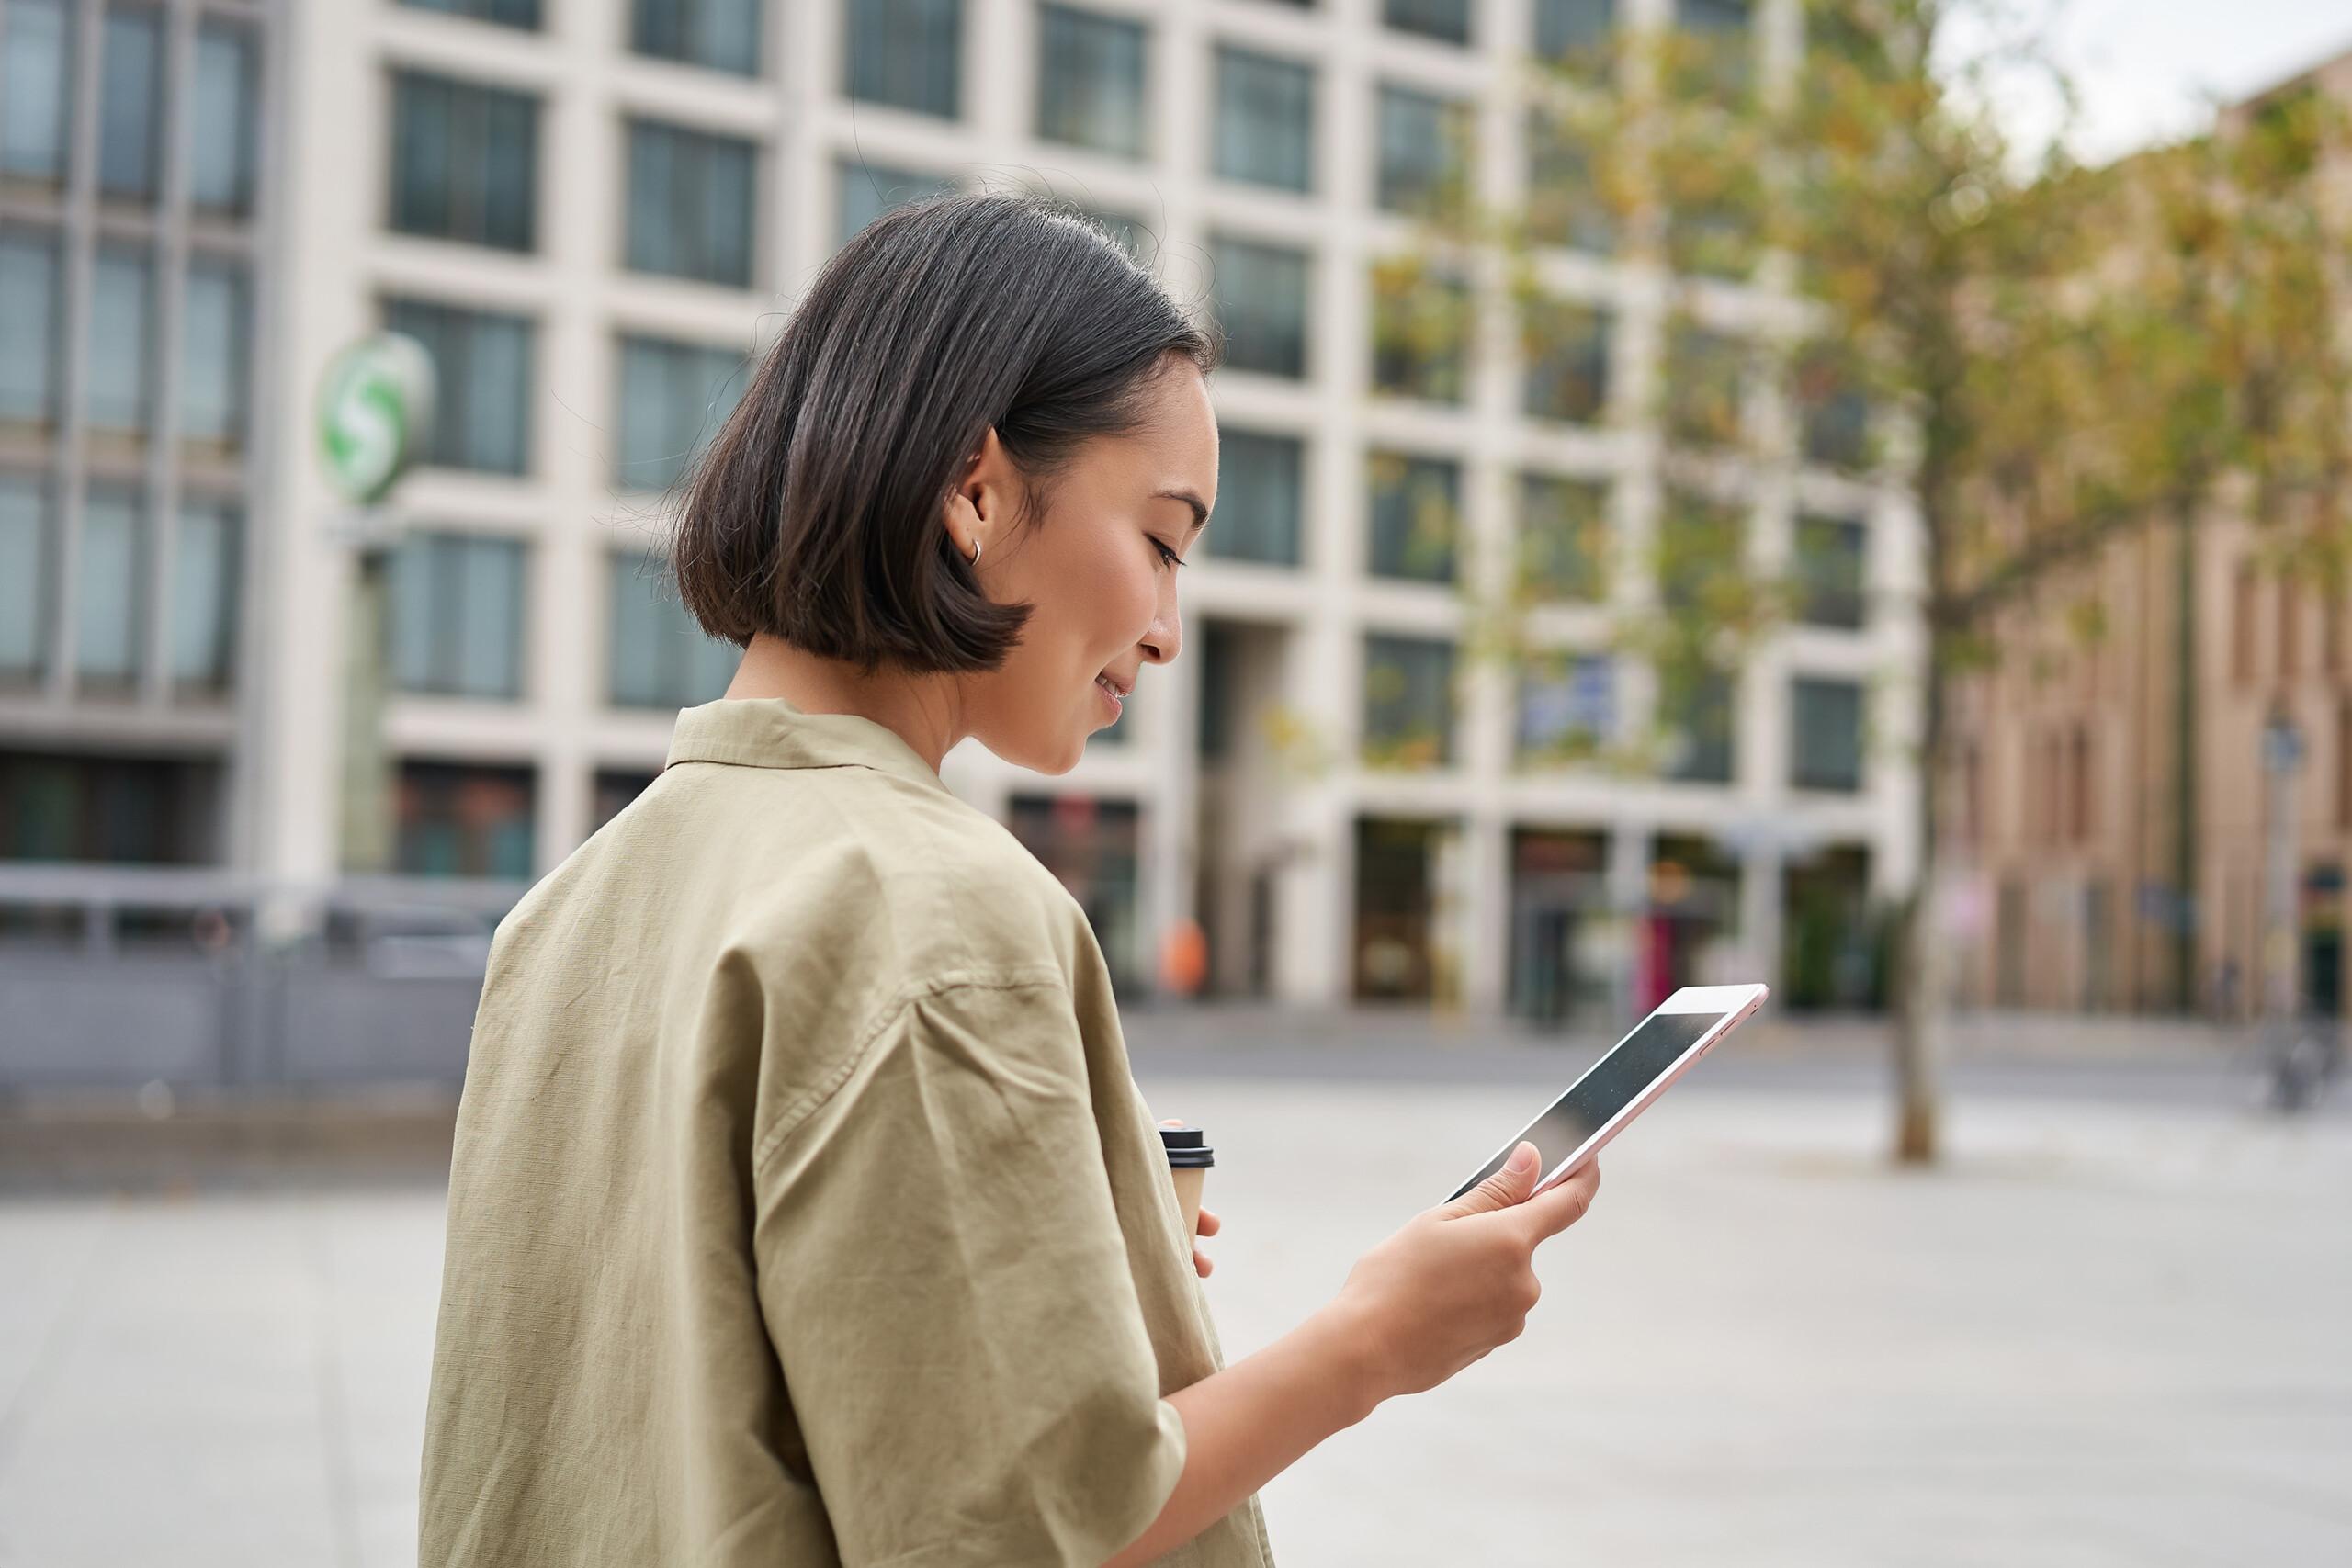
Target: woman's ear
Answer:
pixel 980 505
pixel 961 516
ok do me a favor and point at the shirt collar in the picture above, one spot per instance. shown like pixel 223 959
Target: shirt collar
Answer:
pixel 768 732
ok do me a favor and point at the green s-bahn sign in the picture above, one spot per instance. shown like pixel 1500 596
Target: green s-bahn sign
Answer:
pixel 375 405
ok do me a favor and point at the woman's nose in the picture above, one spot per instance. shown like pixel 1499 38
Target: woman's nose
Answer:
pixel 1165 637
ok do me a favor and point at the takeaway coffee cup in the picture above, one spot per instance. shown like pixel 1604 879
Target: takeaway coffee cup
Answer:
pixel 1189 1159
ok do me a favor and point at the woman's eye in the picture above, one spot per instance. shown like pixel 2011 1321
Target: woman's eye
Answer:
pixel 1171 557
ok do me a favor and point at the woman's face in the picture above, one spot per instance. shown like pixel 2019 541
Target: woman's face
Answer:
pixel 1099 566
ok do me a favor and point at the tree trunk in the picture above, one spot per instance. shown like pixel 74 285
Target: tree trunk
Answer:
pixel 1919 950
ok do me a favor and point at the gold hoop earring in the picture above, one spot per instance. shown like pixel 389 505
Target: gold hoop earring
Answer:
pixel 976 552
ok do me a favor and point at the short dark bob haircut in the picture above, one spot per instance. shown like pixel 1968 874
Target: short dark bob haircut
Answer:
pixel 814 514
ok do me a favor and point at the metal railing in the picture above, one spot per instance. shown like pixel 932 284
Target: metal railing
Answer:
pixel 115 977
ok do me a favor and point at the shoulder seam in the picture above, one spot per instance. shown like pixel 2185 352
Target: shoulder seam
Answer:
pixel 813 1098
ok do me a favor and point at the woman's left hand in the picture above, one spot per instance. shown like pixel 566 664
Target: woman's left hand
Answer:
pixel 1210 1225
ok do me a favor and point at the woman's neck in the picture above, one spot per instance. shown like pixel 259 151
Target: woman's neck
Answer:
pixel 920 709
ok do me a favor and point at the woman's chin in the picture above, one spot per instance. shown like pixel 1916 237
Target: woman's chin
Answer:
pixel 1042 754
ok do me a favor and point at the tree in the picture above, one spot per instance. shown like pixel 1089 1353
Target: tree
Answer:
pixel 2048 357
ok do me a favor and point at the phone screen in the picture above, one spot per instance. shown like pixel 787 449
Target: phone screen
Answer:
pixel 1607 1087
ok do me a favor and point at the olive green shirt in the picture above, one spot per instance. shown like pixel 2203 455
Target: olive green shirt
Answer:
pixel 803 1208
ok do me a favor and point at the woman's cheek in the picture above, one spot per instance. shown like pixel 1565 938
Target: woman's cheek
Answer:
pixel 1147 604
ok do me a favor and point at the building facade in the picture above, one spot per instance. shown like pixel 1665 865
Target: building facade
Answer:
pixel 594 212
pixel 136 231
pixel 2111 806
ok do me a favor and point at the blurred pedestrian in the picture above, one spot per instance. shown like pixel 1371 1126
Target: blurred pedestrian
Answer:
pixel 1184 958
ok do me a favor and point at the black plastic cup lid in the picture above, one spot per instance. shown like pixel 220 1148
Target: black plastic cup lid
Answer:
pixel 1188 1148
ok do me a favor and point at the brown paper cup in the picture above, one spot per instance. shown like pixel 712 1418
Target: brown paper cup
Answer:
pixel 1189 1158
pixel 1188 1197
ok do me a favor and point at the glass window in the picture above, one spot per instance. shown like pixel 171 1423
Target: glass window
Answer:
pixel 204 594
pixel 460 820
pixel 659 658
pixel 1447 20
pixel 1424 151
pixel 1569 27
pixel 1701 551
pixel 29 317
pixel 1715 233
pixel 613 790
pixel 1258 490
pixel 1408 702
pixel 121 810
pixel 1712 15
pixel 1703 374
pixel 1567 350
pixel 1825 748
pixel 1564 202
pixel 690 204
pixel 1695 706
pixel 1833 415
pixel 1265 121
pixel 674 396
pixel 1091 81
pixel 869 190
pixel 905 53
pixel 1567 708
pixel 1725 30
pixel 457 615
pixel 721 34
pixel 24 577
pixel 213 336
pixel 1420 334
pixel 1213 738
pixel 505 13
pixel 465 162
pixel 1563 536
pixel 130 91
pixel 36 88
pixel 1415 516
pixel 220 159
pixel 121 304
pixel 482 404
pixel 106 578
pixel 1093 848
pixel 1830 560
pixel 1261 304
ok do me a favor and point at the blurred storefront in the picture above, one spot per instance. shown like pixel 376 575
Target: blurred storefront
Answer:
pixel 1401 950
pixel 1094 847
pixel 1693 912
pixel 1567 943
pixel 1833 937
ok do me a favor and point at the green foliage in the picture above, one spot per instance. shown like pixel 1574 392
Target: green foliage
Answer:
pixel 1421 320
pixel 2059 355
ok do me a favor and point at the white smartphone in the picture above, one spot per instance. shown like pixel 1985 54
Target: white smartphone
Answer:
pixel 1621 1085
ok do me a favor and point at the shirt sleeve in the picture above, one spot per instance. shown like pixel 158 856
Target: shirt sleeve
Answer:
pixel 945 1282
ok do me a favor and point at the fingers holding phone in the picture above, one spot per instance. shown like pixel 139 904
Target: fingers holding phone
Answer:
pixel 1563 1203
pixel 1459 1280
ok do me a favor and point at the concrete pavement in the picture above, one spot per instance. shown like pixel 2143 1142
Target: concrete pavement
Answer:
pixel 2104 1335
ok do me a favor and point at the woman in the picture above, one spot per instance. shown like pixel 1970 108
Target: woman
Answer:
pixel 803 1208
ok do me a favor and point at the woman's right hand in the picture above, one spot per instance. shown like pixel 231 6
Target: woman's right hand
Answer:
pixel 1460 1278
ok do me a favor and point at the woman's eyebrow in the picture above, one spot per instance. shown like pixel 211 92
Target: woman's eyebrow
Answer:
pixel 1200 507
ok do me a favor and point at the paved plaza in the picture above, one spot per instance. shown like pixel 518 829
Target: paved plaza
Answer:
pixel 2108 1334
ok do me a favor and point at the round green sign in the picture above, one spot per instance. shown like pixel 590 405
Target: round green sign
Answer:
pixel 374 406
